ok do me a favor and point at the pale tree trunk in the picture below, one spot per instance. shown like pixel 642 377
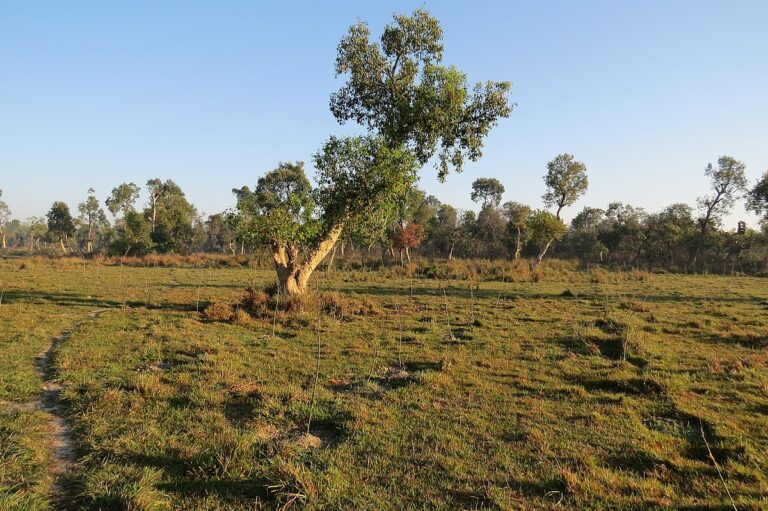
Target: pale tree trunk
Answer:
pixel 89 242
pixel 292 275
pixel 63 247
pixel 518 244
pixel 333 255
pixel 3 234
pixel 408 254
pixel 541 255
pixel 232 247
pixel 450 251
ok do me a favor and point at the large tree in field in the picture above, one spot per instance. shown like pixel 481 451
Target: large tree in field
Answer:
pixel 5 214
pixel 60 224
pixel 413 107
pixel 566 181
pixel 487 191
pixel 171 217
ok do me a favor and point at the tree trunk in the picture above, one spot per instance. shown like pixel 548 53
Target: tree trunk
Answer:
pixel 450 252
pixel 518 244
pixel 4 245
pixel 333 255
pixel 293 276
pixel 63 248
pixel 541 255
pixel 408 254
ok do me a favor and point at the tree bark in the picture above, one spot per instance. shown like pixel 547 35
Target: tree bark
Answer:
pixel 518 244
pixel 541 255
pixel 63 248
pixel 293 275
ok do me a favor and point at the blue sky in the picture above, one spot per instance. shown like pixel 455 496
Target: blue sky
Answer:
pixel 213 94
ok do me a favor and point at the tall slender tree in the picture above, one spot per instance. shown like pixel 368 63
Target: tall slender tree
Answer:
pixel 566 181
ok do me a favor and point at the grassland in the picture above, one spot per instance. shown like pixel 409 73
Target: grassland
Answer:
pixel 585 390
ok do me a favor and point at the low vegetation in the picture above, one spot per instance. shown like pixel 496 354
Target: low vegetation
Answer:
pixel 444 387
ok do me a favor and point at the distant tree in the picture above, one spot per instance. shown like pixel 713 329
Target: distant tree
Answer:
pixel 583 236
pixel 728 183
pixel 221 233
pixel 517 223
pixel 466 233
pixel 490 229
pixel 91 216
pixel 122 198
pixel 38 230
pixel 757 199
pixel 623 232
pixel 566 181
pixel 408 237
pixel 60 224
pixel 545 229
pixel 443 229
pixel 173 217
pixel 487 191
pixel 134 235
pixel 5 215
pixel 668 234
pixel 156 189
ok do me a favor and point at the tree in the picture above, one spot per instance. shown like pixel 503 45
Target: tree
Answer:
pixel 545 229
pixel 221 233
pixel 406 238
pixel 517 223
pixel 583 235
pixel 442 229
pixel 134 235
pixel 668 234
pixel 156 188
pixel 410 105
pixel 487 191
pixel 728 182
pixel 122 199
pixel 566 181
pixel 91 215
pixel 398 90
pixel 757 200
pixel 60 224
pixel 171 218
pixel 5 214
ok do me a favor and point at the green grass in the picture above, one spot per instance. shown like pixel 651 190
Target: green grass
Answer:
pixel 587 390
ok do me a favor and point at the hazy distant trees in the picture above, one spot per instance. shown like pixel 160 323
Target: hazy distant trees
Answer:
pixel 5 215
pixel 123 198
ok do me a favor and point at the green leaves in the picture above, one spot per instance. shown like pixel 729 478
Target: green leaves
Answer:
pixel 566 181
pixel 397 89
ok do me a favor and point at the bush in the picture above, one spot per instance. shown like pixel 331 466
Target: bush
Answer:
pixel 218 312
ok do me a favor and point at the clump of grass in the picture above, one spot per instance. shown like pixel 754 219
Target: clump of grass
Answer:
pixel 218 312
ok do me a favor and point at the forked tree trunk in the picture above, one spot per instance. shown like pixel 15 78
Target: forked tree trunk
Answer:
pixel 292 274
pixel 63 247
pixel 518 244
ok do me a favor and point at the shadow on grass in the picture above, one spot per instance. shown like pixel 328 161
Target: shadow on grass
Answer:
pixel 76 299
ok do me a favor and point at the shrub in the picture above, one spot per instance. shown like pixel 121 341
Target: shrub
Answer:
pixel 218 312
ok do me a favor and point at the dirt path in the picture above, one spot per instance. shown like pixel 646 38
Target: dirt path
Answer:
pixel 49 402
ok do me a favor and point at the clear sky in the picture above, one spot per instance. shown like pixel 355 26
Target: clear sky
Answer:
pixel 213 94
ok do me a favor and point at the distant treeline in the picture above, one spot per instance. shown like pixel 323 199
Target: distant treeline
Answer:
pixel 675 238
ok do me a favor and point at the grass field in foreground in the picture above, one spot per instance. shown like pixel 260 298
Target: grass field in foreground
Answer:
pixel 587 390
